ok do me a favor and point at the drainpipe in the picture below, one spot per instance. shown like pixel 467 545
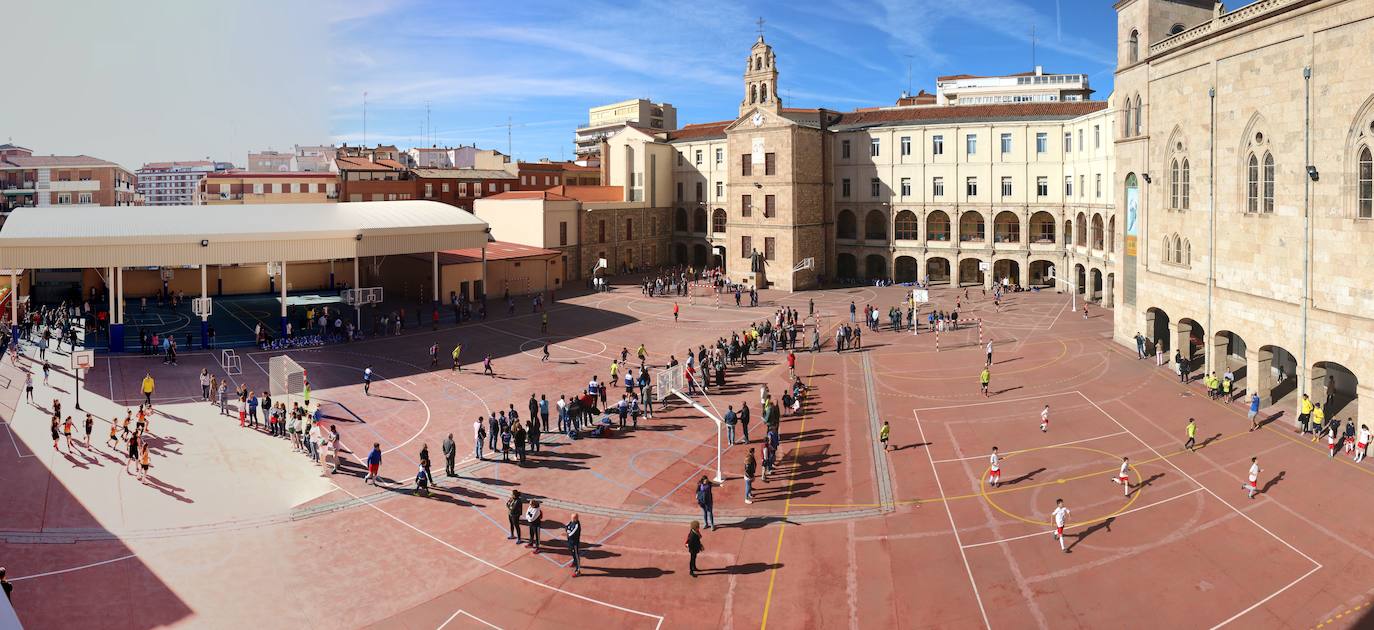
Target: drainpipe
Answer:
pixel 1306 219
pixel 1209 348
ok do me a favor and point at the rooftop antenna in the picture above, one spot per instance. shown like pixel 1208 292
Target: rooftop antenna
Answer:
pixel 908 74
pixel 1032 47
pixel 364 117
pixel 428 135
pixel 508 144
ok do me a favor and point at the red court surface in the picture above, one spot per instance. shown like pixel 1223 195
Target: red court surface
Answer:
pixel 237 530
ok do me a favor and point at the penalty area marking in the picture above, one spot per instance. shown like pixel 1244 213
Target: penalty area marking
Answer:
pixel 72 569
pixel 1089 522
pixel 469 615
pixel 657 618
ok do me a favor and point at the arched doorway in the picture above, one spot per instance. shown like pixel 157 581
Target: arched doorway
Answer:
pixel 905 269
pixel 1337 388
pixel 1040 271
pixel 1189 341
pixel 875 267
pixel 1277 375
pixel 1006 227
pixel 700 254
pixel 1095 285
pixel 1228 355
pixel 1008 270
pixel 718 257
pixel 937 270
pixel 1080 279
pixel 969 272
pixel 680 252
pixel 846 226
pixel 1157 329
pixel 846 268
pixel 1042 228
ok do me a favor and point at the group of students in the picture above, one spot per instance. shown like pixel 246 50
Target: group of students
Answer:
pixel 1312 420
pixel 300 423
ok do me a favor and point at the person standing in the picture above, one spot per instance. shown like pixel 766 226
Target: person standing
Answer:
pixel 28 387
pixel 1159 352
pixel 534 518
pixel 1318 421
pixel 675 310
pixel 367 381
pixel 1253 414
pixel 513 510
pixel 706 500
pixel 544 412
pixel 984 379
pixel 1361 443
pixel 450 453
pixel 994 469
pixel 1139 345
pixel 1045 419
pixel 989 350
pixel 205 385
pixel 750 467
pixel 147 388
pixel 1181 367
pixel 479 435
pixel 694 547
pixel 1305 415
pixel 434 355
pixel 457 366
pixel 573 531
pixel 1192 435
pixel 730 420
pixel 1060 516
pixel 1252 486
pixel 374 463
pixel 90 426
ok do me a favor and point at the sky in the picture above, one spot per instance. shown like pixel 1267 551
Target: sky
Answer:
pixel 159 80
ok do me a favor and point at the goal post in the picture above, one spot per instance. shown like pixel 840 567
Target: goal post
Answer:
pixel 672 382
pixel 285 377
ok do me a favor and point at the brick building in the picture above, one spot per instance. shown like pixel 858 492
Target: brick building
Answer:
pixel 60 180
pixel 243 187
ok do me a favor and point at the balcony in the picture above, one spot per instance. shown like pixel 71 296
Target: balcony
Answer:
pixel 18 188
pixel 75 186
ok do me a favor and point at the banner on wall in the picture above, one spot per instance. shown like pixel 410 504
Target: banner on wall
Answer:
pixel 1132 229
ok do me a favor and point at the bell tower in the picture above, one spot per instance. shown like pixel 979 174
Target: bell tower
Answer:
pixel 760 77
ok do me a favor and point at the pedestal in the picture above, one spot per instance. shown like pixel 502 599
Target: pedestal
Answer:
pixel 116 337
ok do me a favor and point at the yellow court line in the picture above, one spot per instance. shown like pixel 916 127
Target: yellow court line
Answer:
pixel 787 505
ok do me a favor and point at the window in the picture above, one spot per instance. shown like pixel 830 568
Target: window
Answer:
pixel 1097 136
pixel 875 147
pixel 1097 185
pixel 746 246
pixel 491 187
pixel 906 186
pixel 696 159
pixel 1268 182
pixel 746 205
pixel 629 229
pixel 680 196
pixel 1006 186
pixel 937 187
pixel 1042 142
pixel 1080 139
pixel 875 187
pixel 64 198
pixel 1183 190
pixel 1133 47
pixel 770 165
pixel 769 247
pixel 906 145
pixel 844 149
pixel 720 156
pixel 700 185
pixel 1068 142
pixel 601 231
pixel 1139 115
pixel 1365 196
pixel 770 206
pixel 844 187
pixel 562 233
pixel 970 144
pixel 1042 187
pixel 718 221
pixel 1068 186
pixel 906 225
pixel 720 189
pixel 429 190
pixel 971 186
pixel 681 159
pixel 1252 184
pixel 746 167
pixel 84 197
pixel 463 189
pixel 1174 182
pixel 1082 185
pixel 937 145
pixel 1006 143
pixel 442 187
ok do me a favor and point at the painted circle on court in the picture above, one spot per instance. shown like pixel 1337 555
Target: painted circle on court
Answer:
pixel 987 496
pixel 565 349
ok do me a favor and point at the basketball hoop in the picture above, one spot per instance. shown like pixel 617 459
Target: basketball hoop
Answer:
pixel 201 307
pixel 806 263
pixel 83 359
pixel 362 296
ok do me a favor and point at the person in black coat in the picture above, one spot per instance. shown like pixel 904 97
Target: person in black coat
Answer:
pixel 694 547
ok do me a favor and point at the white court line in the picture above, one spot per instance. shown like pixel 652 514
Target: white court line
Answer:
pixel 952 526
pixel 1056 317
pixel 84 566
pixel 1026 450
pixel 18 452
pixel 1137 509
pixel 469 615
pixel 992 402
pixel 1317 565
pixel 501 569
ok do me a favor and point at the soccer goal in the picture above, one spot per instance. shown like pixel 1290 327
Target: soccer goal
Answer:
pixel 286 377
pixel 229 362
pixel 672 382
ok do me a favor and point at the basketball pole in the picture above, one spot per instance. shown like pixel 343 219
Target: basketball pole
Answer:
pixel 720 478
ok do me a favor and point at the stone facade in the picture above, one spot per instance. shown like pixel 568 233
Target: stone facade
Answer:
pixel 1241 266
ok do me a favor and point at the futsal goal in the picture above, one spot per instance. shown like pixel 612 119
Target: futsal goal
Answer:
pixel 286 378
pixel 672 382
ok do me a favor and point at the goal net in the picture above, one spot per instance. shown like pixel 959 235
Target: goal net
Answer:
pixel 287 378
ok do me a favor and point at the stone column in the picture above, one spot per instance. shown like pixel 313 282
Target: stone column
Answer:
pixel 1259 375
pixel 205 315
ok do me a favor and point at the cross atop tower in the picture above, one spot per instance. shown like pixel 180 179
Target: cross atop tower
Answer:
pixel 759 22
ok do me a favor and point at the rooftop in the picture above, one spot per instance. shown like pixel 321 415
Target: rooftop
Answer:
pixel 461 173
pixel 40 161
pixel 364 164
pixel 591 194
pixel 496 250
pixel 241 174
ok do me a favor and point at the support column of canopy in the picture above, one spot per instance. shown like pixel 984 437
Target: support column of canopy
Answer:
pixel 14 306
pixel 436 284
pixel 117 318
pixel 281 285
pixel 357 306
pixel 204 312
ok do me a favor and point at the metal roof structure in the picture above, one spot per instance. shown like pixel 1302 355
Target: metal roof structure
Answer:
pixel 168 236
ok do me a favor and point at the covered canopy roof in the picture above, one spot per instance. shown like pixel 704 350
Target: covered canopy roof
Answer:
pixel 166 236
